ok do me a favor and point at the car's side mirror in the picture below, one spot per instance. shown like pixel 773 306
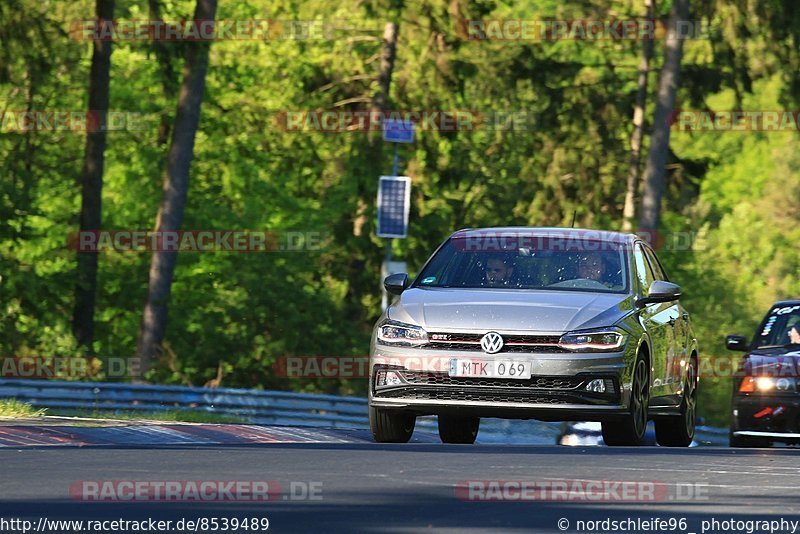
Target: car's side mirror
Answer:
pixel 661 291
pixel 396 283
pixel 736 342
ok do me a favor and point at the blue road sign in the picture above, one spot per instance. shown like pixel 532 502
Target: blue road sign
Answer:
pixel 398 131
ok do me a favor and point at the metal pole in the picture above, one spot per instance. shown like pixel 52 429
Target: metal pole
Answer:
pixel 390 241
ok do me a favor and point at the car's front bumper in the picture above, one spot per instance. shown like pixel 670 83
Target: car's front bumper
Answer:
pixel 771 417
pixel 556 390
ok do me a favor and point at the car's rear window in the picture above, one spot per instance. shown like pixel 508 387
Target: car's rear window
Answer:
pixel 533 263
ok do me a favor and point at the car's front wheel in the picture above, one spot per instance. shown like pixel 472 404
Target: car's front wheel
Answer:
pixel 391 426
pixel 455 429
pixel 630 430
pixel 678 430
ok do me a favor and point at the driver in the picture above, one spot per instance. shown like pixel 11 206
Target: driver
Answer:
pixel 498 271
pixel 591 267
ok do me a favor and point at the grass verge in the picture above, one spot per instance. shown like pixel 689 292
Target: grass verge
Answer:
pixel 15 409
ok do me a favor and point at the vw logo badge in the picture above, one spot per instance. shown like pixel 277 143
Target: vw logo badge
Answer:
pixel 491 343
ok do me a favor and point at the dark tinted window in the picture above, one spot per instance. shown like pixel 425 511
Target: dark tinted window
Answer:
pixel 778 325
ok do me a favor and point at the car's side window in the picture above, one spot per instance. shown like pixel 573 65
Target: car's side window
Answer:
pixel 643 272
pixel 655 265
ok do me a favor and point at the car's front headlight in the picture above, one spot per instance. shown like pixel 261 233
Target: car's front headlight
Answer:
pixel 598 341
pixel 396 333
pixel 767 384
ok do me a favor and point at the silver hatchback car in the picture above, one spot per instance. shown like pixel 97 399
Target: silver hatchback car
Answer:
pixel 535 323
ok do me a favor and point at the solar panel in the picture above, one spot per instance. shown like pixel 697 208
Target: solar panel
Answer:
pixel 394 200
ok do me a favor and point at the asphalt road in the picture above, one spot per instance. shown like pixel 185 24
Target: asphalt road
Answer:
pixel 364 487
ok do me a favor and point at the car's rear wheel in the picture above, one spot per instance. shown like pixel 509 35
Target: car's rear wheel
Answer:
pixel 391 426
pixel 630 430
pixel 748 442
pixel 455 429
pixel 678 430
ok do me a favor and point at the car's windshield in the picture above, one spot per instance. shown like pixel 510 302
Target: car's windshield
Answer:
pixel 781 326
pixel 539 263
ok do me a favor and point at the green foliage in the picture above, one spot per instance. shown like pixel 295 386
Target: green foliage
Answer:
pixel 233 315
pixel 12 408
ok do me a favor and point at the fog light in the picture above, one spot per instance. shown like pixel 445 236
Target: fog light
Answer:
pixel 783 384
pixel 393 379
pixel 597 385
pixel 380 378
pixel 387 378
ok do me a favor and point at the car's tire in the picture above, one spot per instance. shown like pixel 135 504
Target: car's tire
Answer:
pixel 743 442
pixel 391 426
pixel 455 429
pixel 631 429
pixel 678 430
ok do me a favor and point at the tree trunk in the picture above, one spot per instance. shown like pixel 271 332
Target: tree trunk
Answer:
pixel 632 186
pixel 173 199
pixel 378 105
pixel 92 181
pixel 388 54
pixel 360 276
pixel 164 56
pixel 655 169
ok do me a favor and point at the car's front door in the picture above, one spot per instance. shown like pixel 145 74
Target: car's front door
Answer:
pixel 655 318
pixel 675 355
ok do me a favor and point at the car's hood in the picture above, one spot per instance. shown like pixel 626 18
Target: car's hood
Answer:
pixel 508 309
pixel 783 361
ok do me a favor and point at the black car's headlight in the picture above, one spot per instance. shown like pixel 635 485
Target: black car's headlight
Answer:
pixel 597 341
pixel 396 333
pixel 767 384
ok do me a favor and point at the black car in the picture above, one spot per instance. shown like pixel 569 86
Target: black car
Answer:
pixel 766 388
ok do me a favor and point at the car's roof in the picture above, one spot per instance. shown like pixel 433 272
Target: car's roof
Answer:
pixel 789 302
pixel 565 233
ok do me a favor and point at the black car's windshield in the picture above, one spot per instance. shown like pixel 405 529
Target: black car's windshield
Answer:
pixel 780 327
pixel 538 263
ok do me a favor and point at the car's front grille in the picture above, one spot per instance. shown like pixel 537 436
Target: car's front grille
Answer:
pixel 511 343
pixel 535 382
pixel 456 394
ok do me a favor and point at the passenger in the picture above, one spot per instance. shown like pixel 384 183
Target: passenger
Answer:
pixel 794 336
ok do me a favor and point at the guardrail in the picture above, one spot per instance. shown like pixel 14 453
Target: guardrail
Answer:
pixel 263 407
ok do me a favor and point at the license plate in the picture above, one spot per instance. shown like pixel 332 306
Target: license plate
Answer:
pixel 490 369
